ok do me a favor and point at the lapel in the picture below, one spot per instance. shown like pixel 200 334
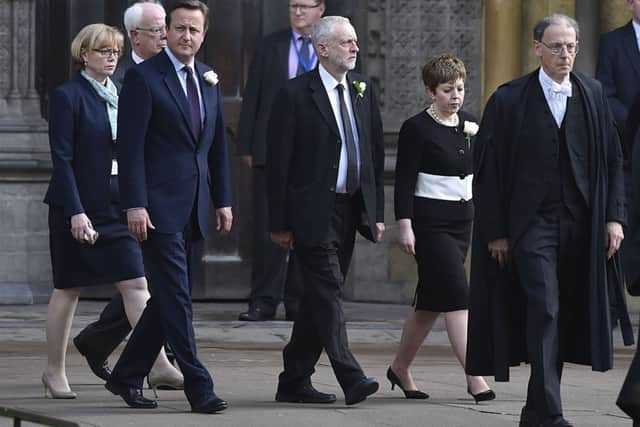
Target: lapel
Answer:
pixel 208 93
pixel 321 99
pixel 630 45
pixel 175 88
pixel 357 106
pixel 282 53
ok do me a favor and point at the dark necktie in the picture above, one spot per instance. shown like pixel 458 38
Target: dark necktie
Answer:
pixel 349 140
pixel 194 102
pixel 304 55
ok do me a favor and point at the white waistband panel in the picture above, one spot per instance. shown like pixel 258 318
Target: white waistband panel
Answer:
pixel 441 187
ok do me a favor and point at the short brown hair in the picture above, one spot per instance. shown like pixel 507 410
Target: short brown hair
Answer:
pixel 442 69
pixel 191 5
pixel 95 36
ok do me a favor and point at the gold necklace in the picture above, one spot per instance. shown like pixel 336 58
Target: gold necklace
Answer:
pixel 434 113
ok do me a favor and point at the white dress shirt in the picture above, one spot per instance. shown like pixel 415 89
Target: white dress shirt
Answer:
pixel 330 84
pixel 182 78
pixel 556 95
pixel 636 28
pixel 136 58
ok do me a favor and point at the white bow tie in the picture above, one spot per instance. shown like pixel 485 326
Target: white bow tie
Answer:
pixel 561 89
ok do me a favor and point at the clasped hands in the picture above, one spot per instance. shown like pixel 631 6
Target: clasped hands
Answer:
pixel 499 248
pixel 138 222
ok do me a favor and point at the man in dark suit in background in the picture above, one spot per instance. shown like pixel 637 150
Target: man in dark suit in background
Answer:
pixel 279 57
pixel 173 158
pixel 325 164
pixel 618 67
pixel 145 24
pixel 549 200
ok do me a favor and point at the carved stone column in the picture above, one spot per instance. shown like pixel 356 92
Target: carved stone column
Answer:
pixel 502 43
pixel 24 161
pixel 532 11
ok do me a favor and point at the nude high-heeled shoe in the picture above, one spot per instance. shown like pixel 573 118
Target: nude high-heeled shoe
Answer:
pixel 56 394
pixel 172 380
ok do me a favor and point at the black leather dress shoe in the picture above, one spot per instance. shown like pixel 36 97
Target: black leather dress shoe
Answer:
pixel 99 366
pixel 132 396
pixel 211 406
pixel 256 314
pixel 305 394
pixel 360 390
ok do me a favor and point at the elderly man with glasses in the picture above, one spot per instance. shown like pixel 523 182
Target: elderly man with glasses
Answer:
pixel 549 212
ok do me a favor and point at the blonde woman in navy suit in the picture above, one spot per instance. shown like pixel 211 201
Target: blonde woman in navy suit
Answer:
pixel 89 245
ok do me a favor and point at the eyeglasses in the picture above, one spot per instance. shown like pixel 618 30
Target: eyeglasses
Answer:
pixel 556 48
pixel 155 31
pixel 302 7
pixel 105 53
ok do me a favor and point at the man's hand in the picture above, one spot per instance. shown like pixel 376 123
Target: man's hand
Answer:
pixel 406 237
pixel 224 220
pixel 615 236
pixel 138 221
pixel 379 230
pixel 499 250
pixel 283 239
pixel 247 161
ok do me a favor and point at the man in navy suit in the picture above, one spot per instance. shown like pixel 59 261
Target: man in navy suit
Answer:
pixel 618 67
pixel 325 165
pixel 145 24
pixel 281 56
pixel 174 155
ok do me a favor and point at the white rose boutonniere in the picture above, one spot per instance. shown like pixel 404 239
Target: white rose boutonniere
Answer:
pixel 359 87
pixel 210 77
pixel 470 128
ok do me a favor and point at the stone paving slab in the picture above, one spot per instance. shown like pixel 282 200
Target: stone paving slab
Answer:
pixel 245 359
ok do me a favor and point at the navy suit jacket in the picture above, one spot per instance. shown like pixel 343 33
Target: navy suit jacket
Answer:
pixel 618 70
pixel 163 167
pixel 81 149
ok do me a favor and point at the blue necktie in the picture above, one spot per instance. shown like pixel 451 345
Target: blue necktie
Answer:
pixel 304 54
pixel 194 102
pixel 349 140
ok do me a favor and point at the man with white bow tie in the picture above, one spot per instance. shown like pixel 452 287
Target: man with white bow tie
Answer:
pixel 549 205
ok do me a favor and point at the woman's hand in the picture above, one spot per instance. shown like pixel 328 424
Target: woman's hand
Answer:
pixel 406 238
pixel 82 229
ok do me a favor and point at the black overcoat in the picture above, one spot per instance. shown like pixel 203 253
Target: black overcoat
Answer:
pixel 497 329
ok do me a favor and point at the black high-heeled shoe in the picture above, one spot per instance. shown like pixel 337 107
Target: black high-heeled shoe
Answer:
pixel 408 394
pixel 482 396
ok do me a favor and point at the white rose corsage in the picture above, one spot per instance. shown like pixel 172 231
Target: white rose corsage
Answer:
pixel 470 128
pixel 359 87
pixel 210 77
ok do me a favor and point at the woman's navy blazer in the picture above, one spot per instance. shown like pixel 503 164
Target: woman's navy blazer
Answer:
pixel 81 149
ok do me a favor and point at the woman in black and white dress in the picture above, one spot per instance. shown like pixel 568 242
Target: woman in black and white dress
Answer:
pixel 434 210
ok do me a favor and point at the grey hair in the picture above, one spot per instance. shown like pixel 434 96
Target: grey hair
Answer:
pixel 323 30
pixel 133 15
pixel 555 19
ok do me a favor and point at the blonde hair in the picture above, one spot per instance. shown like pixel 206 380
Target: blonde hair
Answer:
pixel 95 36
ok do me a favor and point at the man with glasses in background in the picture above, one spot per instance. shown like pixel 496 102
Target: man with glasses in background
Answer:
pixel 279 57
pixel 549 200
pixel 145 24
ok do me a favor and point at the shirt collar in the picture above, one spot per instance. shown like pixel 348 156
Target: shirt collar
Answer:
pixel 548 83
pixel 176 62
pixel 136 58
pixel 297 35
pixel 329 81
pixel 636 28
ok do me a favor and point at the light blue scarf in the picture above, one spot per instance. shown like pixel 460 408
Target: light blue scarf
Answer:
pixel 109 93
